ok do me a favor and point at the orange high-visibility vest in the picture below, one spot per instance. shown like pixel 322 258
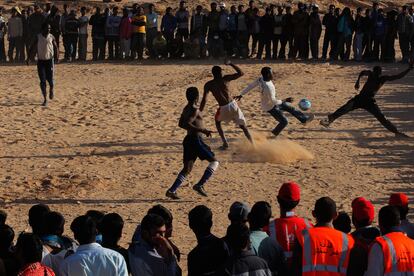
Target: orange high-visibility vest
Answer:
pixel 398 251
pixel 285 231
pixel 325 251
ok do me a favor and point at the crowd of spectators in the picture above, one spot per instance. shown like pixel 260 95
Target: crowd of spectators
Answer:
pixel 274 32
pixel 254 243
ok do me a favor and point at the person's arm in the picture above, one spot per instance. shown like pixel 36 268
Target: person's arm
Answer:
pixel 362 74
pixel 375 261
pixel 55 50
pixel 187 123
pixel 204 99
pixel 400 75
pixel 247 89
pixel 239 72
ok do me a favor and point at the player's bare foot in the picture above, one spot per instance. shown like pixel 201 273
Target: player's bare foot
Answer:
pixel 310 118
pixel 172 195
pixel 325 122
pixel 200 190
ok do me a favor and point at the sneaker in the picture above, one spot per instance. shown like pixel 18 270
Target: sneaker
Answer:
pixel 309 119
pixel 325 122
pixel 200 190
pixel 172 195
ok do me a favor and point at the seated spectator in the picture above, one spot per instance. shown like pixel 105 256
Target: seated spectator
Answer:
pixel 343 223
pixel 210 254
pixel 400 200
pixel 151 253
pixel 168 218
pixel 3 217
pixel 29 253
pixel 362 216
pixel 285 229
pixel 262 245
pixel 322 248
pixel 55 245
pixel 393 253
pixel 112 225
pixel 10 264
pixel 159 45
pixel 90 257
pixel 97 216
pixel 36 213
pixel 192 46
pixel 244 262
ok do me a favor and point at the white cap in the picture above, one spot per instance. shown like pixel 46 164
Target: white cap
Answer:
pixel 222 5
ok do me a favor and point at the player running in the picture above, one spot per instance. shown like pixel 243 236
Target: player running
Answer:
pixel 228 109
pixel 271 104
pixel 366 98
pixel 194 146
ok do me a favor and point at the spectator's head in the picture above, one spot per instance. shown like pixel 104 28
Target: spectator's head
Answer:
pixel 13 12
pixel 97 216
pixel 3 217
pixel 54 10
pixel 289 196
pixel 65 7
pixel 325 210
pixel 152 228
pixel 125 12
pixel 111 226
pixel 6 238
pixel 222 6
pixel 140 11
pixel 48 7
pixel 192 95
pixel 337 12
pixel 83 11
pixel 279 9
pixel 1 10
pixel 315 8
pixel 217 72
pixel 406 9
pixel 359 11
pixel 389 219
pixel 200 220
pixel 301 6
pixel 268 10
pixel 29 248
pixel 84 229
pixel 37 212
pixel 168 10
pixel 239 212
pixel 288 9
pixel 377 71
pixel 381 11
pixel 166 215
pixel 238 237
pixel 199 9
pixel 233 9
pixel 343 223
pixel 72 13
pixel 367 13
pixel 97 10
pixel 106 11
pixel 213 6
pixel 151 8
pixel 183 5
pixel 260 215
pixel 375 5
pixel 115 11
pixel 251 4
pixel 37 9
pixel 400 201
pixel 346 12
pixel 241 8
pixel 54 223
pixel 24 13
pixel 362 212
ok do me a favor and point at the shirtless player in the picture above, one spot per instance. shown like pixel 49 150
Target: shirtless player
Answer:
pixel 365 99
pixel 228 109
pixel 194 146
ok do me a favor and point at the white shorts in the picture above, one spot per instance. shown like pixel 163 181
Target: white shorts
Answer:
pixel 230 112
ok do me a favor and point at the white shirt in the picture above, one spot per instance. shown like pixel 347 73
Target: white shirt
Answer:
pixel 45 47
pixel 84 28
pixel 268 90
pixel 91 260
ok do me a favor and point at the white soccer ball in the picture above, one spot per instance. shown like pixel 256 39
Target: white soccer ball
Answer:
pixel 305 104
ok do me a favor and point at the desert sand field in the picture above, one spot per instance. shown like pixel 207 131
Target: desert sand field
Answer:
pixel 110 141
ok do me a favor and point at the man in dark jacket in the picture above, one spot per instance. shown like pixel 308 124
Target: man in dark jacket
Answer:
pixel 72 33
pixel 54 21
pixel 315 32
pixel 330 21
pixel 300 22
pixel 266 34
pixel 98 34
pixel 405 26
pixel 287 34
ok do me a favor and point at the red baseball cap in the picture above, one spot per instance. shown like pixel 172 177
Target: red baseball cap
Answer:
pixel 289 191
pixel 362 209
pixel 398 199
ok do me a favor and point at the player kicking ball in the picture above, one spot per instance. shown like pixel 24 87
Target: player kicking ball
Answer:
pixel 194 146
pixel 366 98
pixel 271 104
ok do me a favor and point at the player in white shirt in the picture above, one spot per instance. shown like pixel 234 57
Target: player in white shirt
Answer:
pixel 273 105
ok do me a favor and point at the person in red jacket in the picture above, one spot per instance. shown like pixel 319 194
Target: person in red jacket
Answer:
pixel 125 35
pixel 285 229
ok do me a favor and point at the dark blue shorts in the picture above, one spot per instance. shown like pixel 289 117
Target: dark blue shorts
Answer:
pixel 194 147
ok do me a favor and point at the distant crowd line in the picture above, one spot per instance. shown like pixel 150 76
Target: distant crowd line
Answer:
pixel 255 244
pixel 278 32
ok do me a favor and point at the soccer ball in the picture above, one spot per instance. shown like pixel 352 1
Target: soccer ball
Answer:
pixel 305 104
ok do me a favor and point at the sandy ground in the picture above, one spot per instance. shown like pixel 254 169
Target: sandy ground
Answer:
pixel 110 141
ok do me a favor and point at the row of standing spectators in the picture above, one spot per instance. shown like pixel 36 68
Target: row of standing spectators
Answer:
pixel 278 32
